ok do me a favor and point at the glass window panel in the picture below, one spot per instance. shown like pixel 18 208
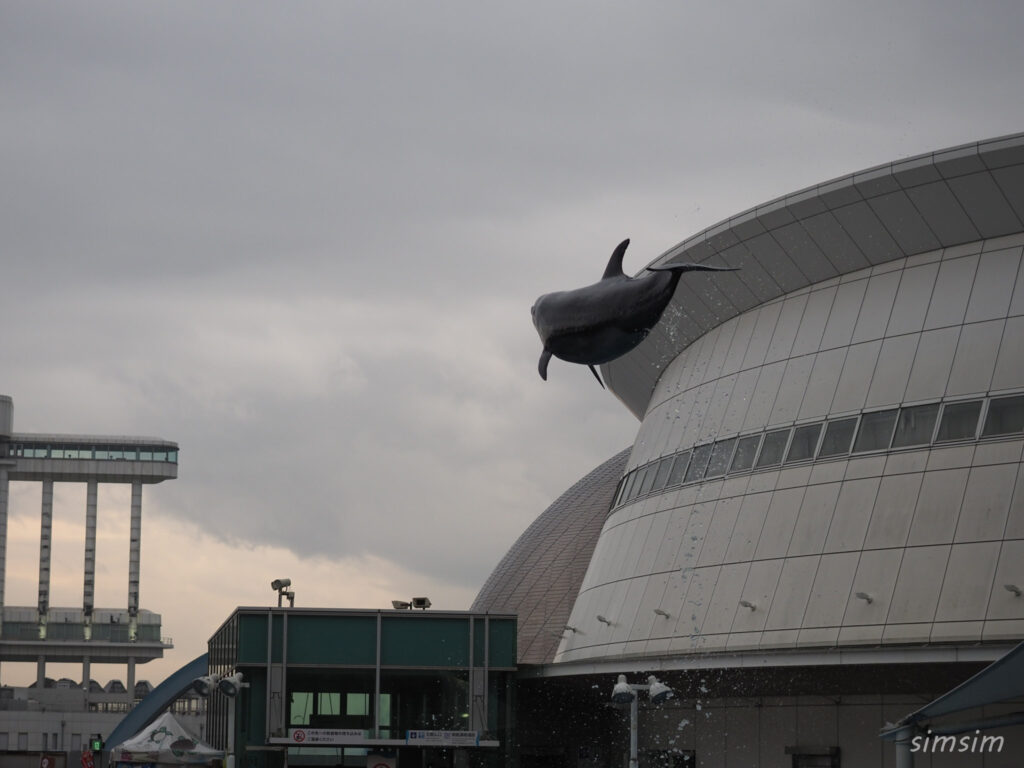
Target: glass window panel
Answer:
pixel 1005 416
pixel 116 454
pixel 85 453
pixel 172 456
pixel 159 455
pixel 662 477
pixel 875 431
pixel 102 454
pixel 631 486
pixel 773 448
pixel 698 462
pixel 57 453
pixel 145 455
pixel 746 449
pixel 959 421
pixel 915 425
pixel 720 456
pixel 675 477
pixel 805 440
pixel 649 472
pixel 130 454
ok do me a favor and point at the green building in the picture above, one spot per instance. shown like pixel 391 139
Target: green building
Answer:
pixel 335 687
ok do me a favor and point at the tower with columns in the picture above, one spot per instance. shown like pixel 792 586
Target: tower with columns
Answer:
pixel 88 634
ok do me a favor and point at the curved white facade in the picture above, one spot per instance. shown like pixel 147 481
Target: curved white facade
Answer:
pixel 831 442
pixel 927 534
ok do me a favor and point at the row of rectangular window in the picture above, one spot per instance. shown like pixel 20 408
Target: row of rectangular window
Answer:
pixel 106 453
pixel 916 425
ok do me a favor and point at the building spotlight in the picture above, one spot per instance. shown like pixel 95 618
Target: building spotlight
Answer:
pixel 1013 588
pixel 748 604
pixel 665 614
pixel 231 685
pixel 421 602
pixel 865 597
pixel 401 605
pixel 603 620
pixel 206 684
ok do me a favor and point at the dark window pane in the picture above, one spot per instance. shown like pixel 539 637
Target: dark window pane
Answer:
pixel 959 421
pixel 675 477
pixel 915 425
pixel 746 449
pixel 631 486
pixel 1005 416
pixel 720 456
pixel 875 431
pixel 698 462
pixel 773 448
pixel 838 436
pixel 650 470
pixel 662 477
pixel 805 440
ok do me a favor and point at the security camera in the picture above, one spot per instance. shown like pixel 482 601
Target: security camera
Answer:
pixel 421 602
pixel 231 685
pixel 658 691
pixel 622 693
pixel 400 605
pixel 280 583
pixel 204 685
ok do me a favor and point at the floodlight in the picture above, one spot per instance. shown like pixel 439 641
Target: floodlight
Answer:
pixel 230 685
pixel 622 693
pixel 204 685
pixel 748 604
pixel 658 691
pixel 865 596
pixel 280 583
pixel 603 620
pixel 1013 588
pixel 400 605
pixel 421 602
pixel 660 612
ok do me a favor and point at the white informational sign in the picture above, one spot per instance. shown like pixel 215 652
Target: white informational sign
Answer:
pixel 320 736
pixel 443 738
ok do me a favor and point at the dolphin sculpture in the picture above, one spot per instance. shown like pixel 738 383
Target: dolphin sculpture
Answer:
pixel 603 321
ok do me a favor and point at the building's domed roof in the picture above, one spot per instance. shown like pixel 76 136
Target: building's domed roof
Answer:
pixel 540 576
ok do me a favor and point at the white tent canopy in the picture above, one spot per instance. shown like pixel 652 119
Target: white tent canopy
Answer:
pixel 165 742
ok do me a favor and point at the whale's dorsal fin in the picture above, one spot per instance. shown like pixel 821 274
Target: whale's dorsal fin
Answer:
pixel 614 268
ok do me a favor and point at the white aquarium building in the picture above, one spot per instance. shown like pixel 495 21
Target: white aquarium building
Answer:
pixel 820 525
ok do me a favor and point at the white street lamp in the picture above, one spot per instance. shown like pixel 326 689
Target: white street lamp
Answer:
pixel 625 693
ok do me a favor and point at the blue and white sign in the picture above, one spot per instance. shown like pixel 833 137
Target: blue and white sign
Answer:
pixel 443 738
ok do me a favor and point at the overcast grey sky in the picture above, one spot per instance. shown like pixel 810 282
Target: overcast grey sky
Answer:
pixel 302 240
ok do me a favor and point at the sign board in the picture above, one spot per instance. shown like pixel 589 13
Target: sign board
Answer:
pixel 87 760
pixel 47 761
pixel 323 736
pixel 381 760
pixel 443 738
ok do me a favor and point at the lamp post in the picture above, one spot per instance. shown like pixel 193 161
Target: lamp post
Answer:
pixel 625 693
pixel 229 685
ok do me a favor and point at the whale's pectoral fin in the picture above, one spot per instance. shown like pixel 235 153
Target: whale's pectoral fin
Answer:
pixel 688 267
pixel 597 376
pixel 614 268
pixel 542 366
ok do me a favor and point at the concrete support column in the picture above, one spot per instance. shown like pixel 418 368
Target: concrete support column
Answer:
pixel 134 554
pixel 89 580
pixel 40 673
pixel 130 685
pixel 45 546
pixel 86 675
pixel 3 542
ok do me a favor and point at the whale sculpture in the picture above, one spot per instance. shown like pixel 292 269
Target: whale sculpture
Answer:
pixel 603 321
